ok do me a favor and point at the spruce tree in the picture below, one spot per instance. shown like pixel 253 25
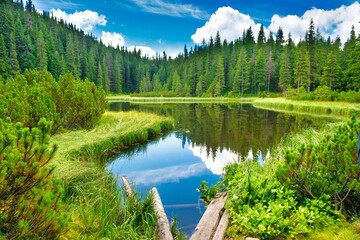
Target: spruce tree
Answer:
pixel 285 73
pixel 4 59
pixel 331 71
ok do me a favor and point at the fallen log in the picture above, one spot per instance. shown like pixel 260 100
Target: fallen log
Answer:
pixel 128 189
pixel 221 229
pixel 209 222
pixel 164 232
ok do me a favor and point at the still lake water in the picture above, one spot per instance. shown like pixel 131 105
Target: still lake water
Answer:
pixel 206 138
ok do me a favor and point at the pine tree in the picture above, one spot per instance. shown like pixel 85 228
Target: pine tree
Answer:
pixel 331 71
pixel 352 73
pixel 41 52
pixel 285 73
pixel 302 68
pixel 260 73
pixel 270 70
pixel 241 82
pixel 261 36
pixel 14 64
pixel 4 59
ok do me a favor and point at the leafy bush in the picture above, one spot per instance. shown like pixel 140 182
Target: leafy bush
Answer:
pixel 29 207
pixel 209 193
pixel 330 168
pixel 69 103
pixel 324 93
pixel 260 206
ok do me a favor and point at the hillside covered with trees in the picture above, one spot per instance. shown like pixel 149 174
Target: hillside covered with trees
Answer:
pixel 30 40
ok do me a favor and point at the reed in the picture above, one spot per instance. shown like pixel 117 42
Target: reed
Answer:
pixel 98 207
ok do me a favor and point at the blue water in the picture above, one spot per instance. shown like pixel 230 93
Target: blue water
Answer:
pixel 176 170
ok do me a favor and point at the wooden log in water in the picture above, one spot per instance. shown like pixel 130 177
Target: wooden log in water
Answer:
pixel 128 189
pixel 209 222
pixel 221 229
pixel 164 232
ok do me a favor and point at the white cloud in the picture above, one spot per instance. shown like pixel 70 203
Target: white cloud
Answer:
pixel 229 22
pixel 331 23
pixel 85 20
pixel 215 163
pixel 171 9
pixel 112 39
pixel 167 174
pixel 145 51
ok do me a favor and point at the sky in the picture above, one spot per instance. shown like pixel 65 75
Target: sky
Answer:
pixel 155 26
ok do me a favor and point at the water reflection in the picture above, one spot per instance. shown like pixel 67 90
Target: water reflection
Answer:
pixel 207 137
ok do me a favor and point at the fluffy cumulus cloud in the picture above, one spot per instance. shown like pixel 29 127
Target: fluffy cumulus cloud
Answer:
pixel 145 51
pixel 331 23
pixel 85 20
pixel 112 39
pixel 229 22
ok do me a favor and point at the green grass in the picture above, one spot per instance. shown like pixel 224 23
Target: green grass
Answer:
pixel 98 207
pixel 339 108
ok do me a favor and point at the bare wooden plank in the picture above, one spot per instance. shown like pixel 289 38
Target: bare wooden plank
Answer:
pixel 220 231
pixel 164 232
pixel 206 228
pixel 128 189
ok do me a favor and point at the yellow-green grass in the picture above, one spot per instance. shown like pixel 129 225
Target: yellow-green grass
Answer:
pixel 98 207
pixel 126 98
pixel 307 106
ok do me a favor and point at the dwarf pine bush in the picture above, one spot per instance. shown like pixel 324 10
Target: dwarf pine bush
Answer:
pixel 29 197
pixel 69 103
pixel 330 168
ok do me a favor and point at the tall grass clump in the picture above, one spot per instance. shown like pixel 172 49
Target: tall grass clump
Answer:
pixel 98 206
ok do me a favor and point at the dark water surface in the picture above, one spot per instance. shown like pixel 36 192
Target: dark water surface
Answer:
pixel 206 138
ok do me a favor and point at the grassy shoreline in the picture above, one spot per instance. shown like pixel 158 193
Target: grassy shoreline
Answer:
pixel 307 106
pixel 98 207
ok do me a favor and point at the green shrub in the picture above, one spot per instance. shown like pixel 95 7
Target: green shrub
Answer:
pixel 330 168
pixel 29 197
pixel 260 206
pixel 69 103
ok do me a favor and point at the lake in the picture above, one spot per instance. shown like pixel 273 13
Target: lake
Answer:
pixel 207 137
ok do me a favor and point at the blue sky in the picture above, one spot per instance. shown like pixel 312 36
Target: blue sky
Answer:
pixel 169 24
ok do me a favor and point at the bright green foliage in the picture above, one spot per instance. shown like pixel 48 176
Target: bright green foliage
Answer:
pixel 328 169
pixel 260 206
pixel 209 193
pixel 29 197
pixel 68 103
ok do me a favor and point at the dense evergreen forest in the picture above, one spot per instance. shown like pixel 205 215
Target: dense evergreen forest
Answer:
pixel 30 40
